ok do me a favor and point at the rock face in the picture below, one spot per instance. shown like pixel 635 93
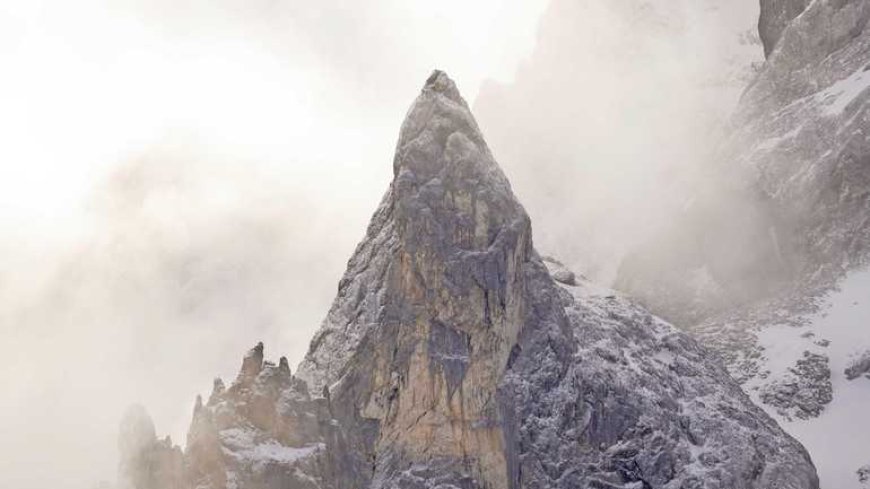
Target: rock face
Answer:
pixel 859 366
pixel 265 430
pixel 801 132
pixel 804 391
pixel 432 304
pixel 800 142
pixel 455 357
pixel 775 17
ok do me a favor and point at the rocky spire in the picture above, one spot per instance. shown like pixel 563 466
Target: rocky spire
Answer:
pixel 252 363
pixel 432 300
pixel 450 338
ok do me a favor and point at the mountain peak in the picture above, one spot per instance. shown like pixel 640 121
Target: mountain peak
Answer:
pixel 439 82
pixel 447 317
pixel 439 134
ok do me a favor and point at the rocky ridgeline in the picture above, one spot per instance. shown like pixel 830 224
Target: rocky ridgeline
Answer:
pixel 455 357
pixel 265 430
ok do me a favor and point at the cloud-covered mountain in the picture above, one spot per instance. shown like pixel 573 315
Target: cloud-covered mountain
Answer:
pixel 455 356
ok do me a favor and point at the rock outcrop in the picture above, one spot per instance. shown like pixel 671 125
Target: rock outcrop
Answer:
pixel 455 357
pixel 802 132
pixel 801 151
pixel 859 366
pixel 804 391
pixel 864 475
pixel 265 430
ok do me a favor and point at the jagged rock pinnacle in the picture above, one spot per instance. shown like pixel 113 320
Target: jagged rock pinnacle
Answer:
pixel 252 364
pixel 448 197
pixel 439 82
pixel 439 135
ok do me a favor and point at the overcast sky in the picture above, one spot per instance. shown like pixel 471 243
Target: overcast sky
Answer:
pixel 180 179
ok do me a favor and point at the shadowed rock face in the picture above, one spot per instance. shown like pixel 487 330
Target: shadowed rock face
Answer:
pixel 433 300
pixel 452 359
pixel 775 17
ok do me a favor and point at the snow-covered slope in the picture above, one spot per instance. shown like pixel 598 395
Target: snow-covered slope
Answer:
pixel 838 438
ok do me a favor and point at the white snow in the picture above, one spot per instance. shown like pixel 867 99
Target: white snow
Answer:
pixel 272 451
pixel 774 142
pixel 839 439
pixel 839 95
pixel 242 445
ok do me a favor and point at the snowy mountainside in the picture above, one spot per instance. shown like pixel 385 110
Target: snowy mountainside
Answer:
pixel 800 146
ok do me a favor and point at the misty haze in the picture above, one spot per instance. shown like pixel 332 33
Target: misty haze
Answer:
pixel 435 245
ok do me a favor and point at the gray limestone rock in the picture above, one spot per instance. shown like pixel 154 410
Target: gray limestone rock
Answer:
pixel 804 391
pixel 775 17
